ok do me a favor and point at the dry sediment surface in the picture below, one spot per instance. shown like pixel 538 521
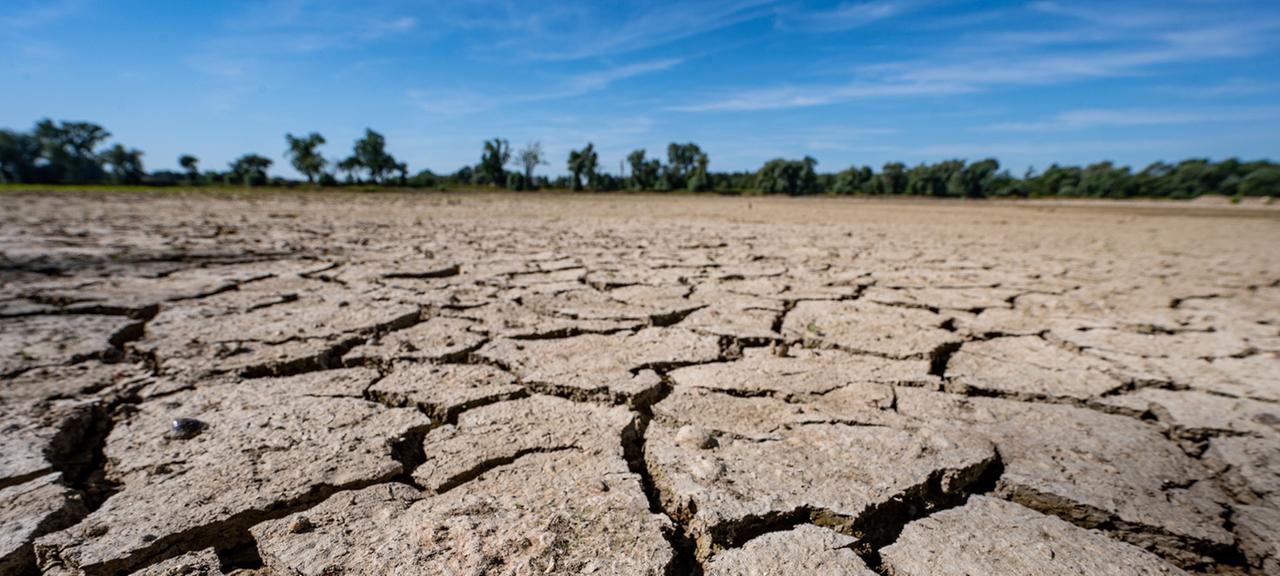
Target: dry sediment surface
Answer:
pixel 322 384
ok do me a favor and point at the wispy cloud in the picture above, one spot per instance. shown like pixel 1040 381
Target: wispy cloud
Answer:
pixel 805 96
pixel 847 15
pixel 556 31
pixel 1100 118
pixel 34 15
pixel 599 80
pixel 1110 43
pixel 1230 87
pixel 468 101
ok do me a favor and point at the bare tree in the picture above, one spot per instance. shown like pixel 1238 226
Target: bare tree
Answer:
pixel 530 157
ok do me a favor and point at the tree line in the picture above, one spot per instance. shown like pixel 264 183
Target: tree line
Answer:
pixel 78 153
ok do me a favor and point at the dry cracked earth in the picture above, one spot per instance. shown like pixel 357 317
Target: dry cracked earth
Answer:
pixel 493 384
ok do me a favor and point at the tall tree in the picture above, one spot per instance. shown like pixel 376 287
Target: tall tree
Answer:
pixel 18 155
pixel 1261 182
pixel 496 154
pixel 67 149
pixel 644 173
pixel 349 166
pixel 192 165
pixel 529 158
pixel 250 170
pixel 699 179
pixel 370 154
pixel 794 177
pixel 304 156
pixel 125 163
pixel 681 159
pixel 893 178
pixel 582 163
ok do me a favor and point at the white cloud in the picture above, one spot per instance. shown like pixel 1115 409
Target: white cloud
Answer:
pixel 1101 118
pixel 1111 43
pixel 599 80
pixel 34 15
pixel 807 96
pixel 560 31
pixel 459 102
pixel 849 15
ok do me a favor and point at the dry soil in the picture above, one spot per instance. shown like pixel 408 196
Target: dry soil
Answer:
pixel 323 384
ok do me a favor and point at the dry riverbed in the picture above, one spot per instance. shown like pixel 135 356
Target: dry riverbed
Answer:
pixel 322 384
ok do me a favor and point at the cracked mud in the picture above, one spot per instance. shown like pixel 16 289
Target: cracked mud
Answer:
pixel 479 384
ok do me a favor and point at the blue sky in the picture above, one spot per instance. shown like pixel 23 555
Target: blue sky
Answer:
pixel 846 82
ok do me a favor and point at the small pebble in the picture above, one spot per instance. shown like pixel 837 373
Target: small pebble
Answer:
pixel 184 428
pixel 695 437
pixel 300 524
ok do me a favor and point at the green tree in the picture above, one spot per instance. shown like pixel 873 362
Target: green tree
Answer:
pixel 853 180
pixel 1105 180
pixel 582 163
pixel 893 178
pixel 644 173
pixel 370 154
pixel 191 165
pixel 18 155
pixel 974 180
pixel 681 160
pixel 304 156
pixel 67 148
pixel 1261 182
pixel 496 154
pixel 793 177
pixel 699 179
pixel 250 170
pixel 402 173
pixel 349 166
pixel 126 164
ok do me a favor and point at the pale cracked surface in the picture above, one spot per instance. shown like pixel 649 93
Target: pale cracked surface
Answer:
pixel 991 536
pixel 267 443
pixel 277 383
pixel 536 485
pixel 807 549
pixel 32 509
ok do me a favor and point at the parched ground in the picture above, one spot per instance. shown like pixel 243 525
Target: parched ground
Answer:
pixel 467 384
